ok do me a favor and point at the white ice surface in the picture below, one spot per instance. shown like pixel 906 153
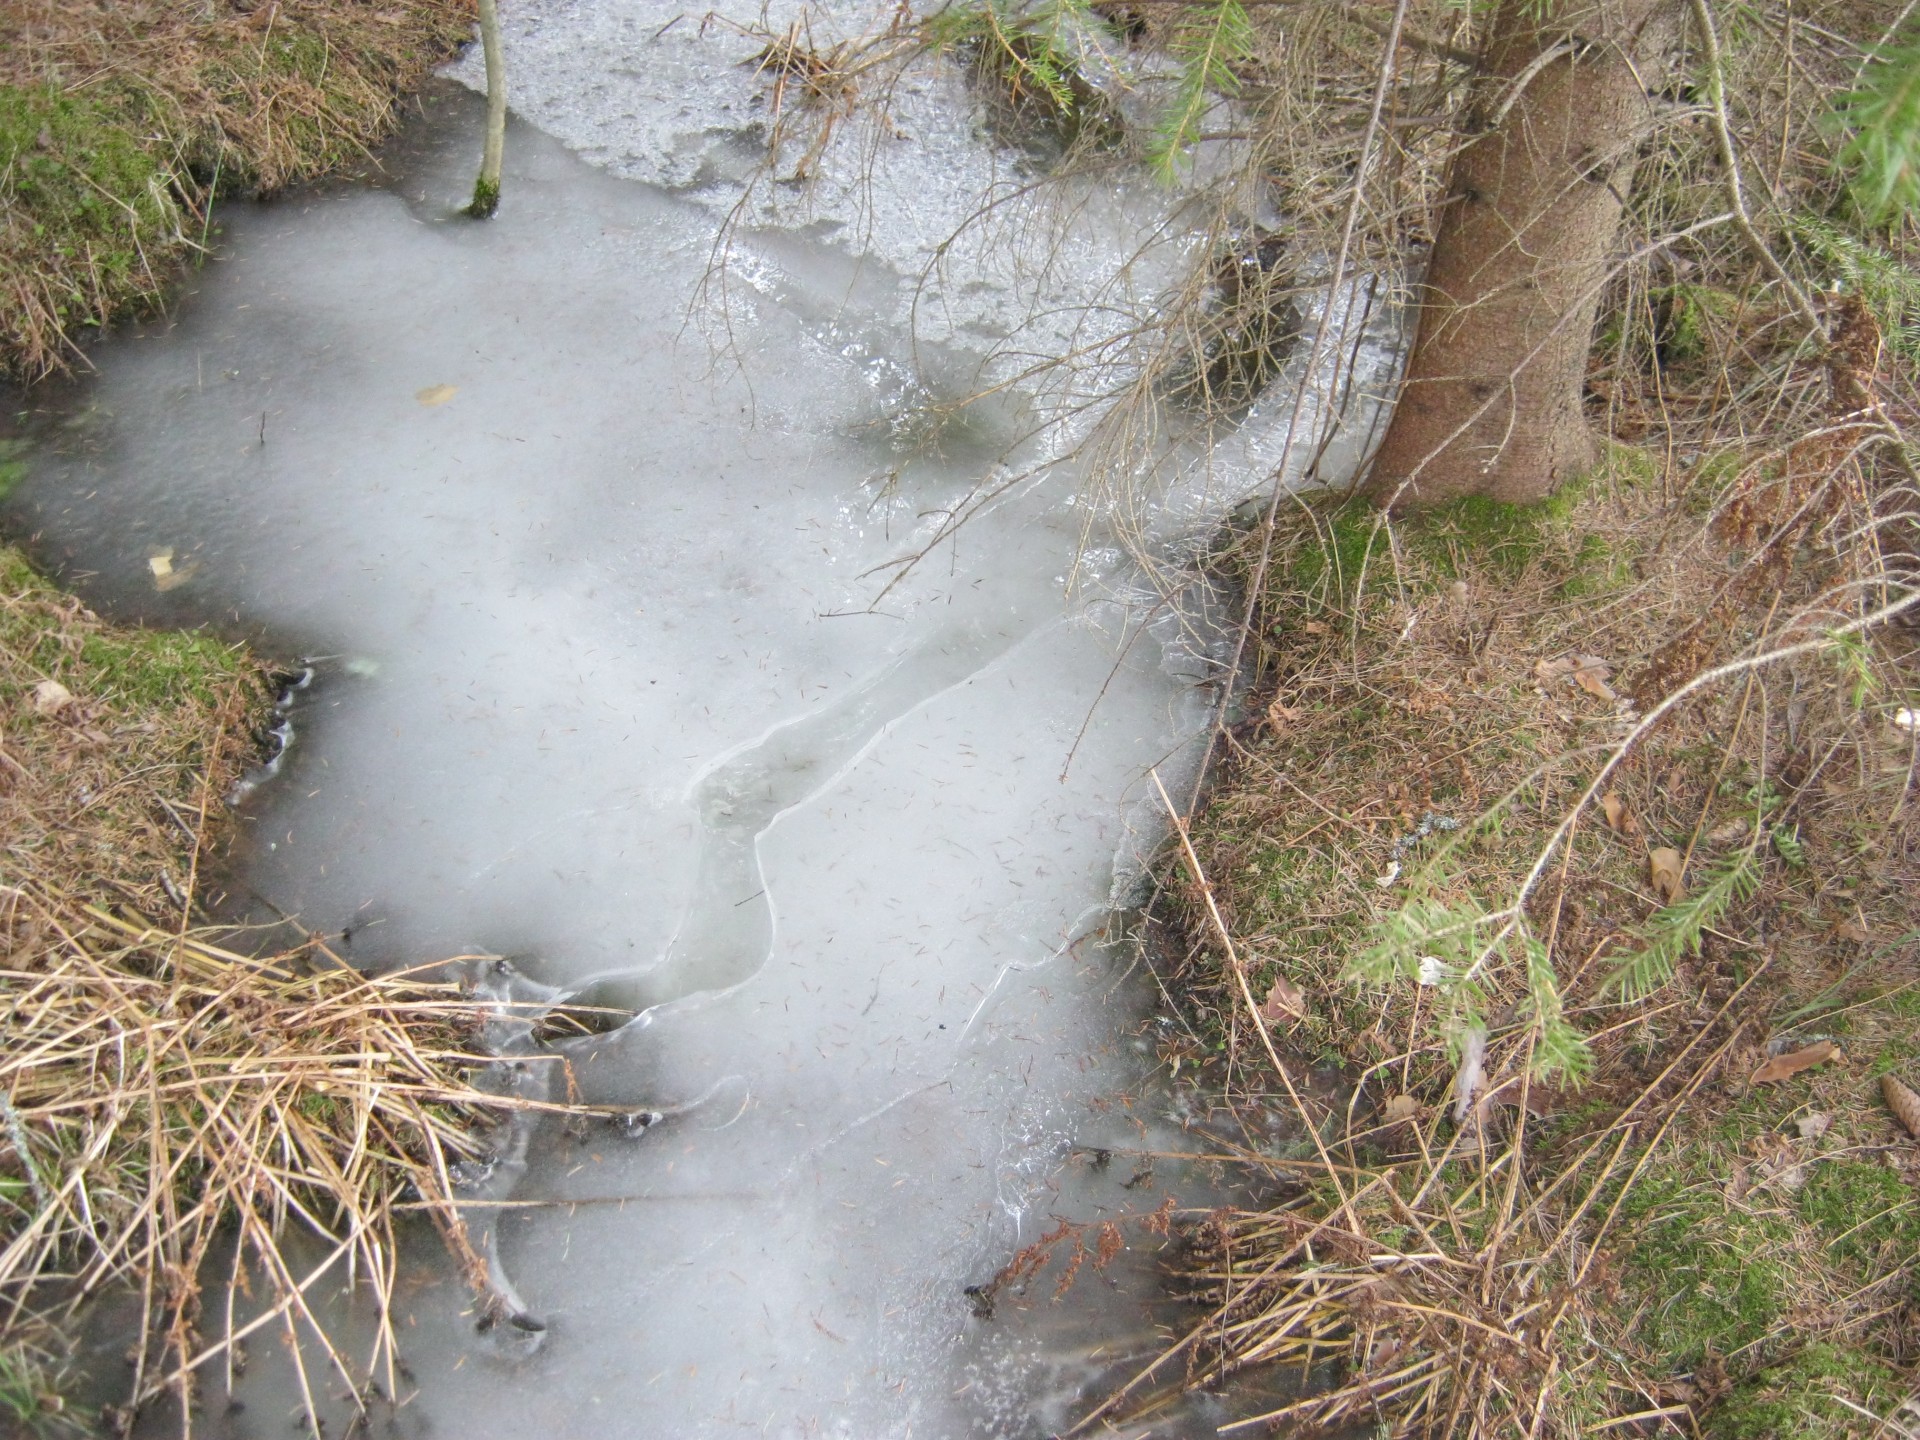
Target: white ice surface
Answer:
pixel 604 696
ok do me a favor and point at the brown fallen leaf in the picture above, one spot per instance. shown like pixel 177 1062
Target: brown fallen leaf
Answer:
pixel 1681 1392
pixel 1785 1067
pixel 1381 1357
pixel 1740 1180
pixel 1513 1092
pixel 167 574
pixel 1590 673
pixel 1620 819
pixel 436 394
pixel 1279 716
pixel 1315 627
pixel 1664 867
pixel 1903 1102
pixel 1399 1108
pixel 1284 1003
pixel 50 697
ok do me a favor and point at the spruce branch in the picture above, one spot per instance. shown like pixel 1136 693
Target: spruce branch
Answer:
pixel 1673 932
pixel 1208 50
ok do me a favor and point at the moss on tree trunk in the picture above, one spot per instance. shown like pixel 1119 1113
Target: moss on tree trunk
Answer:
pixel 486 189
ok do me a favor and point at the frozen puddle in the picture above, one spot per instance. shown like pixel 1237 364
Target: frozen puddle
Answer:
pixel 604 694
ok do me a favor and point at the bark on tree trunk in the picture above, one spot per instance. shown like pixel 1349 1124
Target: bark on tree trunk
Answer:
pixel 1492 399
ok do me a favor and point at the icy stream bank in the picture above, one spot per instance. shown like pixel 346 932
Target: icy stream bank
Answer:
pixel 605 695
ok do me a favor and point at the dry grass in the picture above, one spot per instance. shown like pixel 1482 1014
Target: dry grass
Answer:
pixel 1486 1230
pixel 163 1096
pixel 119 122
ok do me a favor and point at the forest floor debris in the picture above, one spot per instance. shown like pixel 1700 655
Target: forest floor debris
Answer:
pixel 1614 983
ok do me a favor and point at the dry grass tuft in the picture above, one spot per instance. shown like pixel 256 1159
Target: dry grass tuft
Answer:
pixel 163 1096
pixel 161 1089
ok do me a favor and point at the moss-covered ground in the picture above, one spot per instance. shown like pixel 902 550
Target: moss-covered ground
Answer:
pixel 119 123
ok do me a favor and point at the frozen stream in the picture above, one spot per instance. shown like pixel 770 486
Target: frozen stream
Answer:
pixel 602 692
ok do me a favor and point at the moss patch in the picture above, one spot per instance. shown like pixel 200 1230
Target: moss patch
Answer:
pixel 1703 1274
pixel 174 706
pixel 1866 1213
pixel 1489 537
pixel 1806 1395
pixel 104 189
pixel 87 205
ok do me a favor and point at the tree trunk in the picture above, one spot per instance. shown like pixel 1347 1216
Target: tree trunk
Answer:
pixel 486 189
pixel 1491 404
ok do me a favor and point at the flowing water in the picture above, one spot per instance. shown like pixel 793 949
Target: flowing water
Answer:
pixel 617 672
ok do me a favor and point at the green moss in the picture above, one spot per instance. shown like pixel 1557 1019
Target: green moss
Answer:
pixel 298 53
pixel 17 577
pixel 1353 540
pixel 1504 537
pixel 1709 1283
pixel 1483 534
pixel 87 194
pixel 486 199
pixel 1631 467
pixel 322 1109
pixel 1600 566
pixel 1687 315
pixel 1802 1396
pixel 1711 478
pixel 1905 1004
pixel 158 667
pixel 140 670
pixel 1865 1213
pixel 1509 538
